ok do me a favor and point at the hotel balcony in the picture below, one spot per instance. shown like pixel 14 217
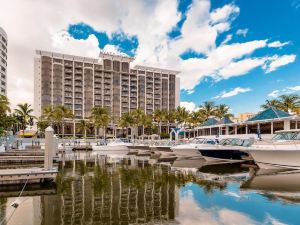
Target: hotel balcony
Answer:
pixel 78 89
pixel 125 93
pixel 68 89
pixel 78 71
pixel 98 67
pixel 98 103
pixel 125 105
pixel 124 99
pixel 78 65
pixel 78 77
pixel 68 64
pixel 98 91
pixel 107 103
pixel 68 71
pixel 68 94
pixel 133 94
pixel 98 86
pixel 98 97
pixel 98 80
pixel 133 89
pixel 78 84
pixel 107 92
pixel 98 74
pixel 68 101
pixel 107 75
pixel 68 83
pixel 107 81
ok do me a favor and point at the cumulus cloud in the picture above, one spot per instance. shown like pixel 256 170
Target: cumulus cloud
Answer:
pixel 190 106
pixel 242 32
pixel 233 92
pixel 274 94
pixel 278 44
pixel 279 61
pixel 284 91
pixel 41 24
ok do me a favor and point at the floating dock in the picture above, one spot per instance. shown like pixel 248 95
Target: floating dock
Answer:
pixel 27 175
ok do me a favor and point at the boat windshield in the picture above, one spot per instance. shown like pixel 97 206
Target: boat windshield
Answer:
pixel 209 142
pixel 197 141
pixel 236 142
pixel 287 136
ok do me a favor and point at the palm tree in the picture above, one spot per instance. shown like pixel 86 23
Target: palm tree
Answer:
pixel 125 121
pixel 23 112
pixel 159 116
pixel 222 111
pixel 208 109
pixel 48 113
pixel 100 117
pixel 4 105
pixel 181 115
pixel 169 117
pixel 195 119
pixel 289 102
pixel 138 116
pixel 271 103
pixel 84 126
pixel 59 115
pixel 42 125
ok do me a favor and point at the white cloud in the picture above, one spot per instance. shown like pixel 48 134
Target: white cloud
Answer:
pixel 294 88
pixel 279 61
pixel 274 94
pixel 41 24
pixel 277 44
pixel 190 106
pixel 62 42
pixel 242 32
pixel 284 91
pixel 227 39
pixel 233 92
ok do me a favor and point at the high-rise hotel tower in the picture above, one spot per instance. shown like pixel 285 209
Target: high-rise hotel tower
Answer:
pixel 81 83
pixel 3 62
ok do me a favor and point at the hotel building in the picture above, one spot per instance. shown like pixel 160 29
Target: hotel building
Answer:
pixel 81 83
pixel 3 62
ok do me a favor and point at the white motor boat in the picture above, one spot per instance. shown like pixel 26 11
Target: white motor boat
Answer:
pixel 113 146
pixel 283 151
pixel 227 150
pixel 191 149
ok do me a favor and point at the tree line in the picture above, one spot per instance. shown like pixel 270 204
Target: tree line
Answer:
pixel 100 118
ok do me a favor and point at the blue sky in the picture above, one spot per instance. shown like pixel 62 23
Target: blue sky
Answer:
pixel 262 21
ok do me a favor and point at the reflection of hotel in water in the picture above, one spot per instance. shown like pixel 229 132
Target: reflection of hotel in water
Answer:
pixel 118 204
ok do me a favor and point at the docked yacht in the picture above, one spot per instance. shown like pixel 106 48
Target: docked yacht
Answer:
pixel 191 149
pixel 283 151
pixel 227 150
pixel 113 146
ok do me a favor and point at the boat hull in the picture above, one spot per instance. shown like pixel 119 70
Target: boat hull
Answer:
pixel 221 155
pixel 270 159
pixel 187 153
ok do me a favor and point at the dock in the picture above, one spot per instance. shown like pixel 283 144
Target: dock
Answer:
pixel 33 174
pixel 27 175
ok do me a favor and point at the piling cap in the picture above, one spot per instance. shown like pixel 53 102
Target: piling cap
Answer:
pixel 49 129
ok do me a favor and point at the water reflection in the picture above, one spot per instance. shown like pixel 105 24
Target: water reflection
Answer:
pixel 91 193
pixel 281 186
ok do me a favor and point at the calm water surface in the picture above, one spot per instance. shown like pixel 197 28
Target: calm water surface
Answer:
pixel 95 194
